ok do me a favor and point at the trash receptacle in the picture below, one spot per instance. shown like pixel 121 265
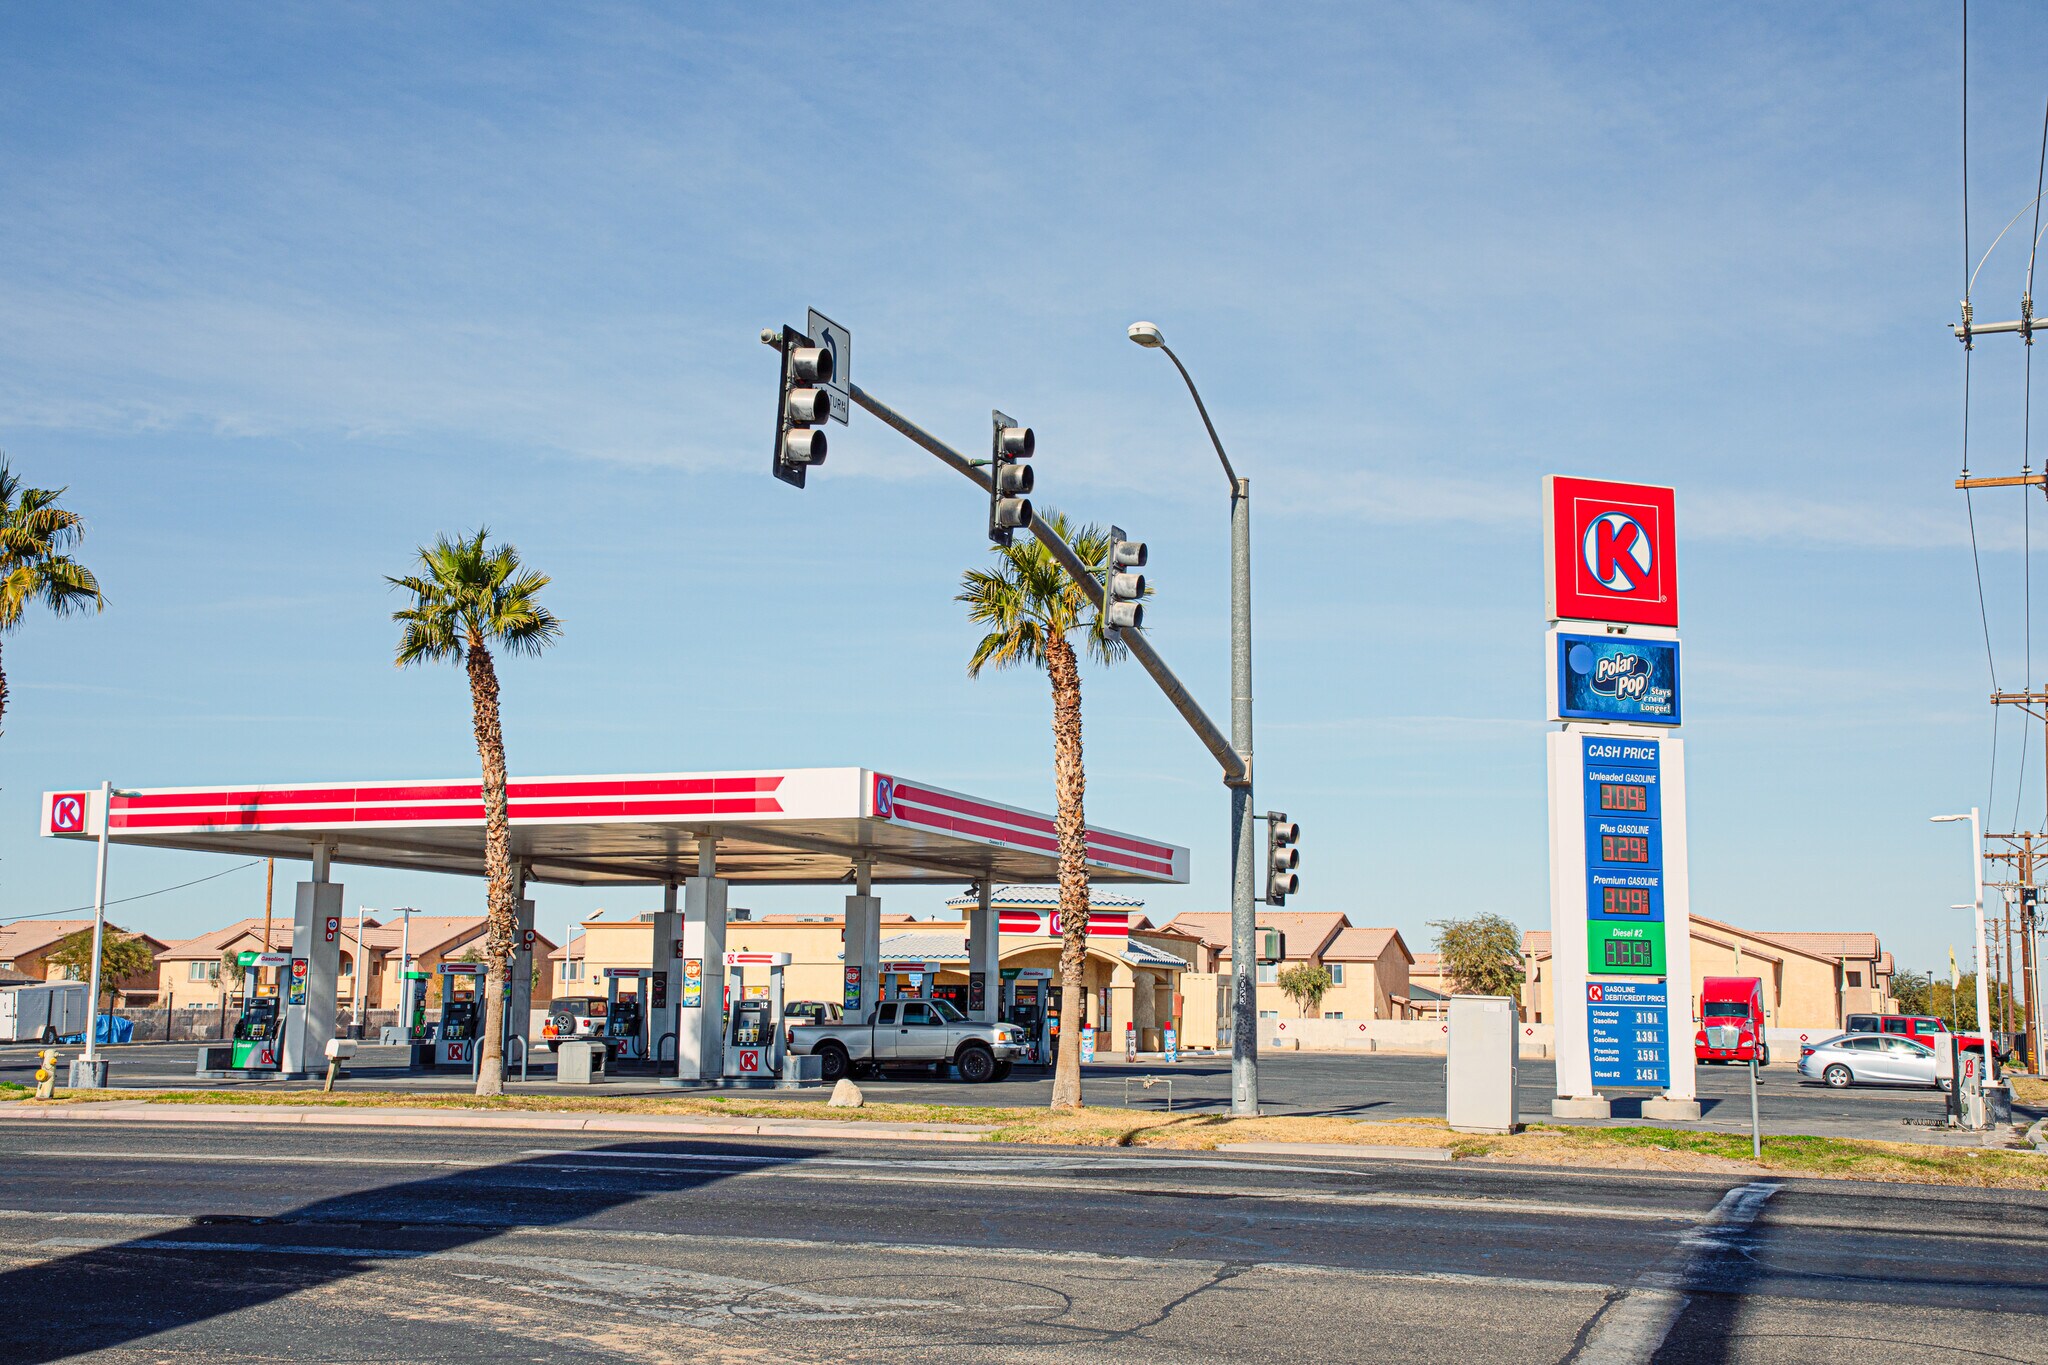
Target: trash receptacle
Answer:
pixel 578 1061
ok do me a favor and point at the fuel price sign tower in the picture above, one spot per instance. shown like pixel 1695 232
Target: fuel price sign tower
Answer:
pixel 1620 917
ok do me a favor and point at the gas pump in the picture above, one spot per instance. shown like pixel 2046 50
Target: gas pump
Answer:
pixel 259 1033
pixel 462 1010
pixel 753 1038
pixel 1025 1000
pixel 413 1008
pixel 625 1018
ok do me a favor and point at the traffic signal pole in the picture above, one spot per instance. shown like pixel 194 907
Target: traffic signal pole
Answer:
pixel 1244 853
pixel 1234 768
pixel 1232 754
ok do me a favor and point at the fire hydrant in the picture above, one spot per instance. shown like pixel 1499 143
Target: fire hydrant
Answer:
pixel 46 1076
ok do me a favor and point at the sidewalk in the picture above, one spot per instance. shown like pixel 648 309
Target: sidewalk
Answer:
pixel 365 1116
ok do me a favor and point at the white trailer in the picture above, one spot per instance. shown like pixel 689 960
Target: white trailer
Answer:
pixel 42 1013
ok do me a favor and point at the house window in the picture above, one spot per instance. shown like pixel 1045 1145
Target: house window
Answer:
pixel 1333 1014
pixel 1336 979
pixel 1269 973
pixel 1856 978
pixel 202 971
pixel 1269 1014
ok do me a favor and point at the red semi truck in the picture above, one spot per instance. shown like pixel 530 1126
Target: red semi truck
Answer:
pixel 1731 1021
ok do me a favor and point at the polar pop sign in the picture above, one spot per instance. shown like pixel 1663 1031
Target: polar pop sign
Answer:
pixel 1610 552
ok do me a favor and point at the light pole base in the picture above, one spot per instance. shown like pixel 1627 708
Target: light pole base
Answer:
pixel 1596 1107
pixel 90 1075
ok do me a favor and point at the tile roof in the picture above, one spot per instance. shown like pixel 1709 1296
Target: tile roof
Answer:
pixel 33 935
pixel 1827 944
pixel 1426 963
pixel 1353 944
pixel 210 946
pixel 1307 930
pixel 942 946
pixel 429 932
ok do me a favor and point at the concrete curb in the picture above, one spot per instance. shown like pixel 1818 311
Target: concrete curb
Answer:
pixel 1361 1150
pixel 340 1116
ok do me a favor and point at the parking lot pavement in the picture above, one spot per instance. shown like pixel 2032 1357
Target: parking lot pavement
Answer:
pixel 1358 1085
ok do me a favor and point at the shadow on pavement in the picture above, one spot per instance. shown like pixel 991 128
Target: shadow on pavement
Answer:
pixel 107 1296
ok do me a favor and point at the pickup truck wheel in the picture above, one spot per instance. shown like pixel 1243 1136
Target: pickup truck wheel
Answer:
pixel 832 1063
pixel 977 1064
pixel 1003 1070
pixel 1945 1084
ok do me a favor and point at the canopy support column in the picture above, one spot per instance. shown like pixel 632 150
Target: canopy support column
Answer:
pixel 984 942
pixel 313 978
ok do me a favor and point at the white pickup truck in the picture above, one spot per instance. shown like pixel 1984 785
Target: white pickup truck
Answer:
pixel 925 1033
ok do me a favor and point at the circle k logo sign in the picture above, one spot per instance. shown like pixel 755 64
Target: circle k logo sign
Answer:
pixel 67 813
pixel 1611 552
pixel 885 797
pixel 1617 552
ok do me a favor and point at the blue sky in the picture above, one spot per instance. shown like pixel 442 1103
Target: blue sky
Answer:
pixel 289 290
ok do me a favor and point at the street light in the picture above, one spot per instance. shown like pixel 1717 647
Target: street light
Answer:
pixel 1977 882
pixel 1244 1015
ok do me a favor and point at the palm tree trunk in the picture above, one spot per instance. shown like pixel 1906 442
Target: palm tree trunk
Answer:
pixel 1070 822
pixel 3 699
pixel 501 924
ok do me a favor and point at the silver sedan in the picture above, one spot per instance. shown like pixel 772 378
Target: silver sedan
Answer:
pixel 1871 1059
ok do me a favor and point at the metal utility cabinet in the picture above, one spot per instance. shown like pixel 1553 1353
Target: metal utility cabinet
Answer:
pixel 1481 1064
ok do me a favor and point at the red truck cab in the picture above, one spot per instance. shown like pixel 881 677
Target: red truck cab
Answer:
pixel 1731 1021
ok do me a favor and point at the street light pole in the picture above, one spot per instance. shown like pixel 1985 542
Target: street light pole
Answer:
pixel 1244 1013
pixel 99 928
pixel 1983 993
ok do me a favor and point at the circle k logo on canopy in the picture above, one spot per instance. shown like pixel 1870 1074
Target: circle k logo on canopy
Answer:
pixel 67 813
pixel 1610 551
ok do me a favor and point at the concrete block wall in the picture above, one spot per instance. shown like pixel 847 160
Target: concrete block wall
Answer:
pixel 1423 1036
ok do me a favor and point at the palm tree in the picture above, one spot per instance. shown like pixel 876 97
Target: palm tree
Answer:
pixel 468 598
pixel 1033 610
pixel 34 568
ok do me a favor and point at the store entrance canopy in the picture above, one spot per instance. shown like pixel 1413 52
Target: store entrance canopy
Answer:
pixel 802 825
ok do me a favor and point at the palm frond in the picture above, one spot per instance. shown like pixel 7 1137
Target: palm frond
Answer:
pixel 465 589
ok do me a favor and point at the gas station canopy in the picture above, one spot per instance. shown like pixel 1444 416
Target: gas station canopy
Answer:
pixel 801 825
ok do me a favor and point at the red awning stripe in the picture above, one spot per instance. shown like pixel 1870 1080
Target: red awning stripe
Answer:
pixel 466 812
pixel 1010 835
pixel 242 798
pixel 1159 854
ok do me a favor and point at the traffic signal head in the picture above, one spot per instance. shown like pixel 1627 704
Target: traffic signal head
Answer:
pixel 801 406
pixel 1123 593
pixel 1009 479
pixel 1282 857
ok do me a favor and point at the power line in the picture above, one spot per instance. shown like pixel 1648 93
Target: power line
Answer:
pixel 162 890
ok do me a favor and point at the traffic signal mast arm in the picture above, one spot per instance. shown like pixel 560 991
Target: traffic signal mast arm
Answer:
pixel 1214 740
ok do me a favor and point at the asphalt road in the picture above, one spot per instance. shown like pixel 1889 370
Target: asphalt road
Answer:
pixel 241 1243
pixel 1361 1085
